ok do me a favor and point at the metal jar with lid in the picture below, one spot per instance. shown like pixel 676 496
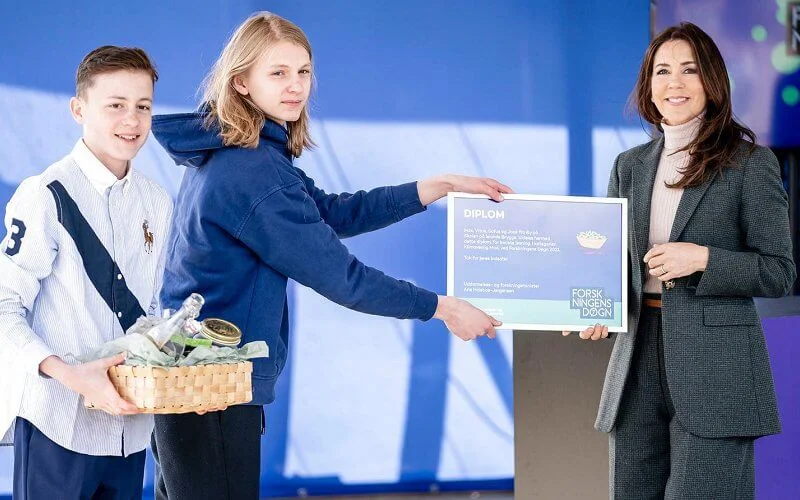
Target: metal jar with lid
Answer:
pixel 221 332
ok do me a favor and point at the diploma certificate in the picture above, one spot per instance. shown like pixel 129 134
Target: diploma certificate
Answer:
pixel 540 262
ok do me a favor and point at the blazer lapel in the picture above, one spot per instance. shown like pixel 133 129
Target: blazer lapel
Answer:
pixel 689 200
pixel 643 176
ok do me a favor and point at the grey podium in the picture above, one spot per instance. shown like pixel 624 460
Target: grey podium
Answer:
pixel 557 384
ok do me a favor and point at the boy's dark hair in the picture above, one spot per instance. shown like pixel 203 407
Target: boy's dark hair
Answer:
pixel 109 58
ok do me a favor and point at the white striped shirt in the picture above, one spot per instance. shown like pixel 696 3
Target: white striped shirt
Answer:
pixel 64 290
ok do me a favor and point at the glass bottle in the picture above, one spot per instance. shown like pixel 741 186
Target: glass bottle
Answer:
pixel 163 332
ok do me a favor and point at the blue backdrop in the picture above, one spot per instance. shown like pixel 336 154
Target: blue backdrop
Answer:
pixel 529 92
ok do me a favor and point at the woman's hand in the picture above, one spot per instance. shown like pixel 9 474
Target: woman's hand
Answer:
pixel 464 320
pixel 676 260
pixel 595 332
pixel 434 188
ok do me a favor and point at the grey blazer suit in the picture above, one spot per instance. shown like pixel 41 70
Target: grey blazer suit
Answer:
pixel 716 359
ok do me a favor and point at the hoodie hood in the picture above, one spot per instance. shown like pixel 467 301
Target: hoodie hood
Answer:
pixel 189 142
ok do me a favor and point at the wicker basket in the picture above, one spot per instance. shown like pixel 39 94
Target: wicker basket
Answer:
pixel 183 389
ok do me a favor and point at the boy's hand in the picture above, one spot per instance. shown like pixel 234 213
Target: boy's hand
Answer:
pixel 464 320
pixel 91 381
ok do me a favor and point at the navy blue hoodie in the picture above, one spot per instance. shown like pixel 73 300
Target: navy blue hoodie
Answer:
pixel 246 220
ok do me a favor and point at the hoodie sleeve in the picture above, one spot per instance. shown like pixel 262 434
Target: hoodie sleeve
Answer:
pixel 364 211
pixel 286 231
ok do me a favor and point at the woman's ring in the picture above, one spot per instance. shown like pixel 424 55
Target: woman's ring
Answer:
pixel 663 271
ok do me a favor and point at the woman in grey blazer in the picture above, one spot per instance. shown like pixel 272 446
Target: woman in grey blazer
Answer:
pixel 688 387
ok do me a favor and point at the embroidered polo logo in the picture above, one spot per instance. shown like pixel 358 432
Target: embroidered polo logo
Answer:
pixel 148 237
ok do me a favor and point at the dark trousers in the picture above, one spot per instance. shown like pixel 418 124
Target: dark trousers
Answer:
pixel 652 456
pixel 45 470
pixel 215 456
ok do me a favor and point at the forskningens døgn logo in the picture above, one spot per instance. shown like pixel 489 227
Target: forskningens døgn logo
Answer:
pixel 592 303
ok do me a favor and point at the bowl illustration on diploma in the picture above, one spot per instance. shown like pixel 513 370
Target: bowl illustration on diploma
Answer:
pixel 591 240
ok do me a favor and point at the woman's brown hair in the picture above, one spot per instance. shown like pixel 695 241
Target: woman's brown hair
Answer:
pixel 720 137
pixel 239 119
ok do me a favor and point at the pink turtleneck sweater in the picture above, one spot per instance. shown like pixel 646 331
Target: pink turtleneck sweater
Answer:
pixel 664 202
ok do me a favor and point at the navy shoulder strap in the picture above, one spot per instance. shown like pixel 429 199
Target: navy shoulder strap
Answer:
pixel 101 269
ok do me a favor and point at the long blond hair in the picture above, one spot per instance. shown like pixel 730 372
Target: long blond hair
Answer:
pixel 239 119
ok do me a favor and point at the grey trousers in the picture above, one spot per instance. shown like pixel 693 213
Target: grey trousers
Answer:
pixel 652 456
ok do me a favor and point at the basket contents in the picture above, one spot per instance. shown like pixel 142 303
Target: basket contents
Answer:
pixel 177 364
pixel 181 340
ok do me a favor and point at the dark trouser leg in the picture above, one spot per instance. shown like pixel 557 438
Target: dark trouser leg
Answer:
pixel 122 478
pixel 653 456
pixel 45 470
pixel 216 455
pixel 639 444
pixel 709 469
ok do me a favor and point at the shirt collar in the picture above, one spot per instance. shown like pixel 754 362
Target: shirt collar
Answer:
pixel 98 174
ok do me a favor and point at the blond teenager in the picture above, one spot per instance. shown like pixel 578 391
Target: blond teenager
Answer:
pixel 247 220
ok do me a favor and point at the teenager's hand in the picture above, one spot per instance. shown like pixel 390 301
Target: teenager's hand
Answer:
pixel 464 320
pixel 218 408
pixel 433 188
pixel 595 332
pixel 91 381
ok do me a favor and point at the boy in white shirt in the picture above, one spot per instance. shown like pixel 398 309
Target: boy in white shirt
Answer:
pixel 82 259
